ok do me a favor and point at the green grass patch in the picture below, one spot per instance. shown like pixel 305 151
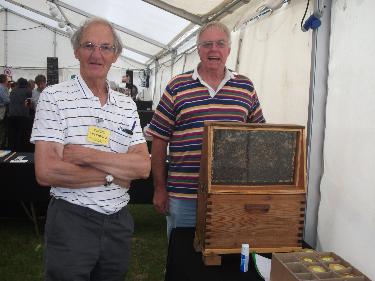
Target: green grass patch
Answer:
pixel 21 251
pixel 149 247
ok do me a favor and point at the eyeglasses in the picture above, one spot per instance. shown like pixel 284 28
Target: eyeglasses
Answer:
pixel 103 48
pixel 209 44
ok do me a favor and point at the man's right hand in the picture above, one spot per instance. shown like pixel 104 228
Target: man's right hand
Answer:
pixel 160 200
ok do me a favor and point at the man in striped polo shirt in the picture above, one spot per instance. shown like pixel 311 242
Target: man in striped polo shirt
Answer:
pixel 88 146
pixel 209 93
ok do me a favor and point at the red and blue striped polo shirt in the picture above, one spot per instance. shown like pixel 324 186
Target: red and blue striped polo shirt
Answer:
pixel 179 119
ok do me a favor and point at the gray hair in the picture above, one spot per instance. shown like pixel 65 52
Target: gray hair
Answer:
pixel 76 37
pixel 215 24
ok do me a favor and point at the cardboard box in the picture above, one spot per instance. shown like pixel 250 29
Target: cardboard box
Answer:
pixel 252 189
pixel 301 266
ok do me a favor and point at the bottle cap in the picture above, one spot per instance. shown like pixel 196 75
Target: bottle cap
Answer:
pixel 245 249
pixel 244 258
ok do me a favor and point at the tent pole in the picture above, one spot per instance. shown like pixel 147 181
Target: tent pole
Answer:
pixel 317 118
pixel 54 43
pixel 156 73
pixel 173 60
pixel 6 39
pixel 238 55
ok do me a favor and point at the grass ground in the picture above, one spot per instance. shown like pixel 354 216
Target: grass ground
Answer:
pixel 21 250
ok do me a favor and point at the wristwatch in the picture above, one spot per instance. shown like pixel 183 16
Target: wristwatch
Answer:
pixel 108 179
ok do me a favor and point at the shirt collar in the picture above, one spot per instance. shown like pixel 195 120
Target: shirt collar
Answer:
pixel 228 74
pixel 89 94
pixel 111 94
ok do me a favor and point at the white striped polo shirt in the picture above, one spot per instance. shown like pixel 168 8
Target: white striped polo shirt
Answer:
pixel 64 113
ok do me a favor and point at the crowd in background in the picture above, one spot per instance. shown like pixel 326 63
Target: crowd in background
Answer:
pixel 18 100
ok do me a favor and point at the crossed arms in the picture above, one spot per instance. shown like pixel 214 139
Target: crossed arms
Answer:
pixel 76 166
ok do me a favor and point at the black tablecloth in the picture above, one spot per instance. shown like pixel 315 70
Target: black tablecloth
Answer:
pixel 184 264
pixel 18 178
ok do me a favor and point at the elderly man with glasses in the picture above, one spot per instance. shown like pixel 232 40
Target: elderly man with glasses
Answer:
pixel 209 93
pixel 88 146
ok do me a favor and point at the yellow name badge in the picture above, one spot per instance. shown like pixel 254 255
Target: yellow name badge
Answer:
pixel 98 135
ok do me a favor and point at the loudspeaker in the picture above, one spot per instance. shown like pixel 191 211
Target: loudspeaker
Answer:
pixel 130 83
pixel 52 70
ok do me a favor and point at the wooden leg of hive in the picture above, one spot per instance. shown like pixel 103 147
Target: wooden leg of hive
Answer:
pixel 197 244
pixel 212 259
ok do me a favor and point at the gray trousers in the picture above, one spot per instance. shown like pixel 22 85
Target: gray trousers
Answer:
pixel 82 244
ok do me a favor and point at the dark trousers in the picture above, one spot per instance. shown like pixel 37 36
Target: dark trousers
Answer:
pixel 82 244
pixel 4 133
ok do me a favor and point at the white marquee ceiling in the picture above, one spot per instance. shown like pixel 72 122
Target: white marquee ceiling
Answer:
pixel 147 28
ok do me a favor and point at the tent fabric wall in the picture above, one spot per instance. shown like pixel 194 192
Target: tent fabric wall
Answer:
pixel 233 56
pixel 186 63
pixel 178 65
pixel 275 55
pixel 64 52
pixel 32 42
pixel 280 75
pixel 192 60
pixel 27 51
pixel 162 74
pixel 145 28
pixel 347 212
pixel 2 38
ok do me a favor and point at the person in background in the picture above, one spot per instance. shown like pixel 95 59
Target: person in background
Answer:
pixel 31 83
pixel 126 79
pixel 19 121
pixel 9 84
pixel 130 88
pixel 4 102
pixel 12 86
pixel 41 84
pixel 209 93
pixel 88 146
pixel 4 94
